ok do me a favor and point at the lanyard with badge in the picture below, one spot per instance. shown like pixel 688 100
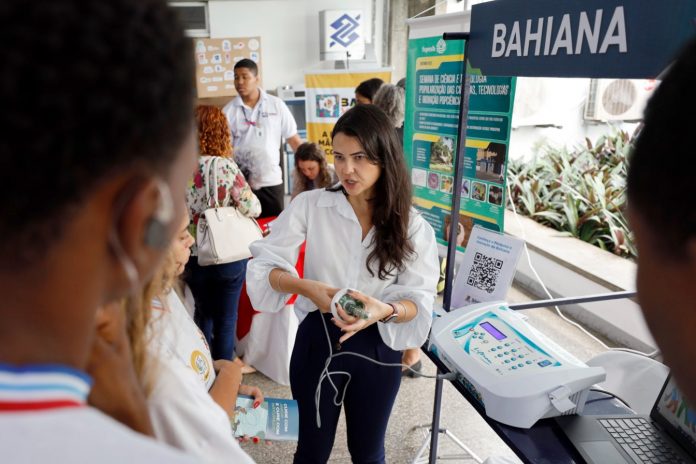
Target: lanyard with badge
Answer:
pixel 255 124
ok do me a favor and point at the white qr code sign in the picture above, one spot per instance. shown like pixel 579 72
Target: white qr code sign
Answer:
pixel 487 268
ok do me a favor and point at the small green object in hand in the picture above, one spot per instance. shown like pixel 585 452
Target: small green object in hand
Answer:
pixel 353 307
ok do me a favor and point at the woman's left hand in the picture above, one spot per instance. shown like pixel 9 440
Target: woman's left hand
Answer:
pixel 374 309
pixel 250 390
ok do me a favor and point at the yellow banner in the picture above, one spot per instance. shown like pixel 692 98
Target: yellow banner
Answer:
pixel 328 96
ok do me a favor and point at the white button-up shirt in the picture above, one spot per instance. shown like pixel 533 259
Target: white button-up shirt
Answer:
pixel 265 126
pixel 336 255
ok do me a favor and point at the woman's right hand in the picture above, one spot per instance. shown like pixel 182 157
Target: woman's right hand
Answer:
pixel 321 295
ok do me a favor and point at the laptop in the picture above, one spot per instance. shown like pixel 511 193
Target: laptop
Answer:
pixel 667 435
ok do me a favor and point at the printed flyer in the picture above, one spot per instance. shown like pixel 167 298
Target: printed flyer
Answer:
pixel 433 89
pixel 488 267
pixel 274 419
pixel 330 94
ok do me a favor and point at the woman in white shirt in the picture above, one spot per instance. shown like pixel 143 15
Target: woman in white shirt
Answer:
pixel 192 397
pixel 362 234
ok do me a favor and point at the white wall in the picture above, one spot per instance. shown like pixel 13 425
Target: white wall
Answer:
pixel 563 102
pixel 289 31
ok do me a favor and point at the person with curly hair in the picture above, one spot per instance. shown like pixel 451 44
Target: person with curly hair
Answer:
pixel 87 215
pixel 216 288
pixel 311 169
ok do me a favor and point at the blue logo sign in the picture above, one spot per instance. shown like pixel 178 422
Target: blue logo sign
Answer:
pixel 345 30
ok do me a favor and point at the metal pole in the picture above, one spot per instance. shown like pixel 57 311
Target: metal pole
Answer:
pixel 452 244
pixel 573 300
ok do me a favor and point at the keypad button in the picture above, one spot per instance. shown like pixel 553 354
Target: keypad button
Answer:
pixel 514 367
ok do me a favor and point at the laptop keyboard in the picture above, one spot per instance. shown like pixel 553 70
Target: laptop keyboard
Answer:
pixel 639 438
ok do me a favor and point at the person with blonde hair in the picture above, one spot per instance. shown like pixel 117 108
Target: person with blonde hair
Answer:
pixel 192 396
pixel 189 399
pixel 216 288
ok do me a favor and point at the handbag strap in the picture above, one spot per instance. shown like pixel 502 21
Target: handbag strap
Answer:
pixel 212 177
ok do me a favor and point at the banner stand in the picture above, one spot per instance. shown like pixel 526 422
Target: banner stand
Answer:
pixel 435 429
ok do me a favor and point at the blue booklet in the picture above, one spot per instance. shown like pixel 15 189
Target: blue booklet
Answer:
pixel 274 419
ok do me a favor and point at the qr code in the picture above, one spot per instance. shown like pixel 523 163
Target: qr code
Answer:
pixel 484 272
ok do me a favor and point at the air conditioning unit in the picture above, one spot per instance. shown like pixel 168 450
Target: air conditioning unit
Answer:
pixel 618 99
pixel 193 16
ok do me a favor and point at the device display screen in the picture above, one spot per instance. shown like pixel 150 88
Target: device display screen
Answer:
pixel 677 413
pixel 497 334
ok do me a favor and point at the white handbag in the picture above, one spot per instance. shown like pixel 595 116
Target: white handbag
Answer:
pixel 223 234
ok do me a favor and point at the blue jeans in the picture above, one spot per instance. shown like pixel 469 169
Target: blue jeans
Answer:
pixel 216 291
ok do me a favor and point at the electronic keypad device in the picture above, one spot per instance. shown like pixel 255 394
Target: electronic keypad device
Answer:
pixel 517 373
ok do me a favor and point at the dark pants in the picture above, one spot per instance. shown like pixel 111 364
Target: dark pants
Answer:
pixel 369 397
pixel 272 200
pixel 216 291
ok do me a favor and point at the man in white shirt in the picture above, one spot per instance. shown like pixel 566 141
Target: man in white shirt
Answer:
pixel 260 120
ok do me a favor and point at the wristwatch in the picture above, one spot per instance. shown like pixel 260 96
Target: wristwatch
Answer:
pixel 392 317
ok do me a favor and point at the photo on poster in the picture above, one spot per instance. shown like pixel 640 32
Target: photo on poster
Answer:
pixel 495 195
pixel 433 180
pixel 328 106
pixel 446 184
pixel 478 191
pixel 466 188
pixel 490 162
pixel 418 177
pixel 442 154
pixel 466 224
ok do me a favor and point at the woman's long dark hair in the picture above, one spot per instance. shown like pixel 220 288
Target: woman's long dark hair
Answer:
pixel 391 245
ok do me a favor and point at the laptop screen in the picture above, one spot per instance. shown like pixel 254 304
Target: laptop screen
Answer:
pixel 673 413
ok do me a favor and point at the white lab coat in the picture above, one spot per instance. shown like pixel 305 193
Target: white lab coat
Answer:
pixel 182 411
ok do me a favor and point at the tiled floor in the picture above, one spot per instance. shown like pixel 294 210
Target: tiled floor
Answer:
pixel 415 402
